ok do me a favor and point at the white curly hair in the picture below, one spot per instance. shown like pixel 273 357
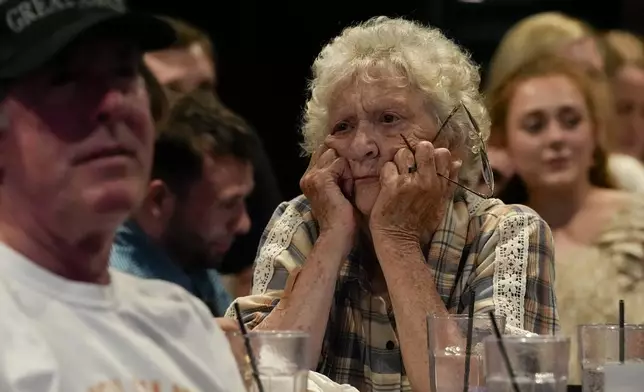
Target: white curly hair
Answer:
pixel 423 57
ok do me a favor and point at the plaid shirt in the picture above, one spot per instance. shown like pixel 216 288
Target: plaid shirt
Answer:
pixel 505 253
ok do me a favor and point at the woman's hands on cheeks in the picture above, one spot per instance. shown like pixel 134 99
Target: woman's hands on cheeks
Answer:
pixel 327 184
pixel 411 205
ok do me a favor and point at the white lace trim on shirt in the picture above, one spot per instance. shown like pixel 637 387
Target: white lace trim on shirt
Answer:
pixel 510 275
pixel 475 202
pixel 277 241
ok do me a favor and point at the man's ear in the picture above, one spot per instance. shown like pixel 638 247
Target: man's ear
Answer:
pixel 160 201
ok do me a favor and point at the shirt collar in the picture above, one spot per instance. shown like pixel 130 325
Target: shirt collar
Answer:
pixel 151 257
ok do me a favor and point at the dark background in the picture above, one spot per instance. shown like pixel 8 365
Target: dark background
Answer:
pixel 265 48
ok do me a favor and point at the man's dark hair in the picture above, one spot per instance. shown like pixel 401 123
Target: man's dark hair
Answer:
pixel 189 34
pixel 197 125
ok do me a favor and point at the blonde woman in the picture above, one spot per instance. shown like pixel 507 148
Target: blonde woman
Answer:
pixel 546 117
pixel 554 33
pixel 624 58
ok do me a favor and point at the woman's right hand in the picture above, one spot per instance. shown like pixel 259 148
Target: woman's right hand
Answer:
pixel 327 184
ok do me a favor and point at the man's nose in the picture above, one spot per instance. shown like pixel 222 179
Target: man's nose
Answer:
pixel 110 105
pixel 243 222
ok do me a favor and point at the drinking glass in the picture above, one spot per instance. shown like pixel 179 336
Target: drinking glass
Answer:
pixel 447 337
pixel 539 363
pixel 599 346
pixel 281 358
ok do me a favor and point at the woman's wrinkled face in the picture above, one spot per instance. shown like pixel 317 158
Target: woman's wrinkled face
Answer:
pixel 366 121
pixel 550 133
pixel 628 87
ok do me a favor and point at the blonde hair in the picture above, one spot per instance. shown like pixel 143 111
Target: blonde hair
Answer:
pixel 537 35
pixel 622 49
pixel 500 98
pixel 626 45
pixel 423 58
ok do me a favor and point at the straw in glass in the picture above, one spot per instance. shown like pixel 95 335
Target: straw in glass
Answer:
pixel 621 331
pixel 253 362
pixel 468 346
pixel 504 353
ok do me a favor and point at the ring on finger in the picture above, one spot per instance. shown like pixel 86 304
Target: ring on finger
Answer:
pixel 412 169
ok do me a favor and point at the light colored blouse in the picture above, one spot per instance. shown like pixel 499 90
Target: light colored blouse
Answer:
pixel 590 280
pixel 627 172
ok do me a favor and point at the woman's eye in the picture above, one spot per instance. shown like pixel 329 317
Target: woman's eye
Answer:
pixel 569 118
pixel 340 127
pixel 570 122
pixel 389 118
pixel 534 123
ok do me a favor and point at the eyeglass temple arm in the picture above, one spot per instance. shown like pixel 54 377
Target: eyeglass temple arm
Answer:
pixel 444 123
pixel 449 117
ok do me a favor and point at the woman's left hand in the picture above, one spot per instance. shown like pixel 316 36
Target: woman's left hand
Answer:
pixel 412 204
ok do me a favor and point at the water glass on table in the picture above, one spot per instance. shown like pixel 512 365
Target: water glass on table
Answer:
pixel 281 358
pixel 599 346
pixel 539 363
pixel 447 337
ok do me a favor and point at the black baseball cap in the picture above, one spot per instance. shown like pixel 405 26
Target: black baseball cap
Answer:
pixel 34 31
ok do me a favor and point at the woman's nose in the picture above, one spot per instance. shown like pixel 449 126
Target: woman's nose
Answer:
pixel 363 144
pixel 555 135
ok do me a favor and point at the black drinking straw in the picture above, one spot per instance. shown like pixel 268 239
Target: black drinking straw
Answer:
pixel 253 362
pixel 468 346
pixel 504 353
pixel 621 331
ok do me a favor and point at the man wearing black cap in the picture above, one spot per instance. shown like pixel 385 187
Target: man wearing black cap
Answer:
pixel 76 141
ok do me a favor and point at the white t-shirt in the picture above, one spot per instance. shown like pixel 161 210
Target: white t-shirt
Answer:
pixel 132 335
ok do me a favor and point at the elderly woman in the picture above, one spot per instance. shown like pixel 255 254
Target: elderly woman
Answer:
pixel 546 116
pixel 380 239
